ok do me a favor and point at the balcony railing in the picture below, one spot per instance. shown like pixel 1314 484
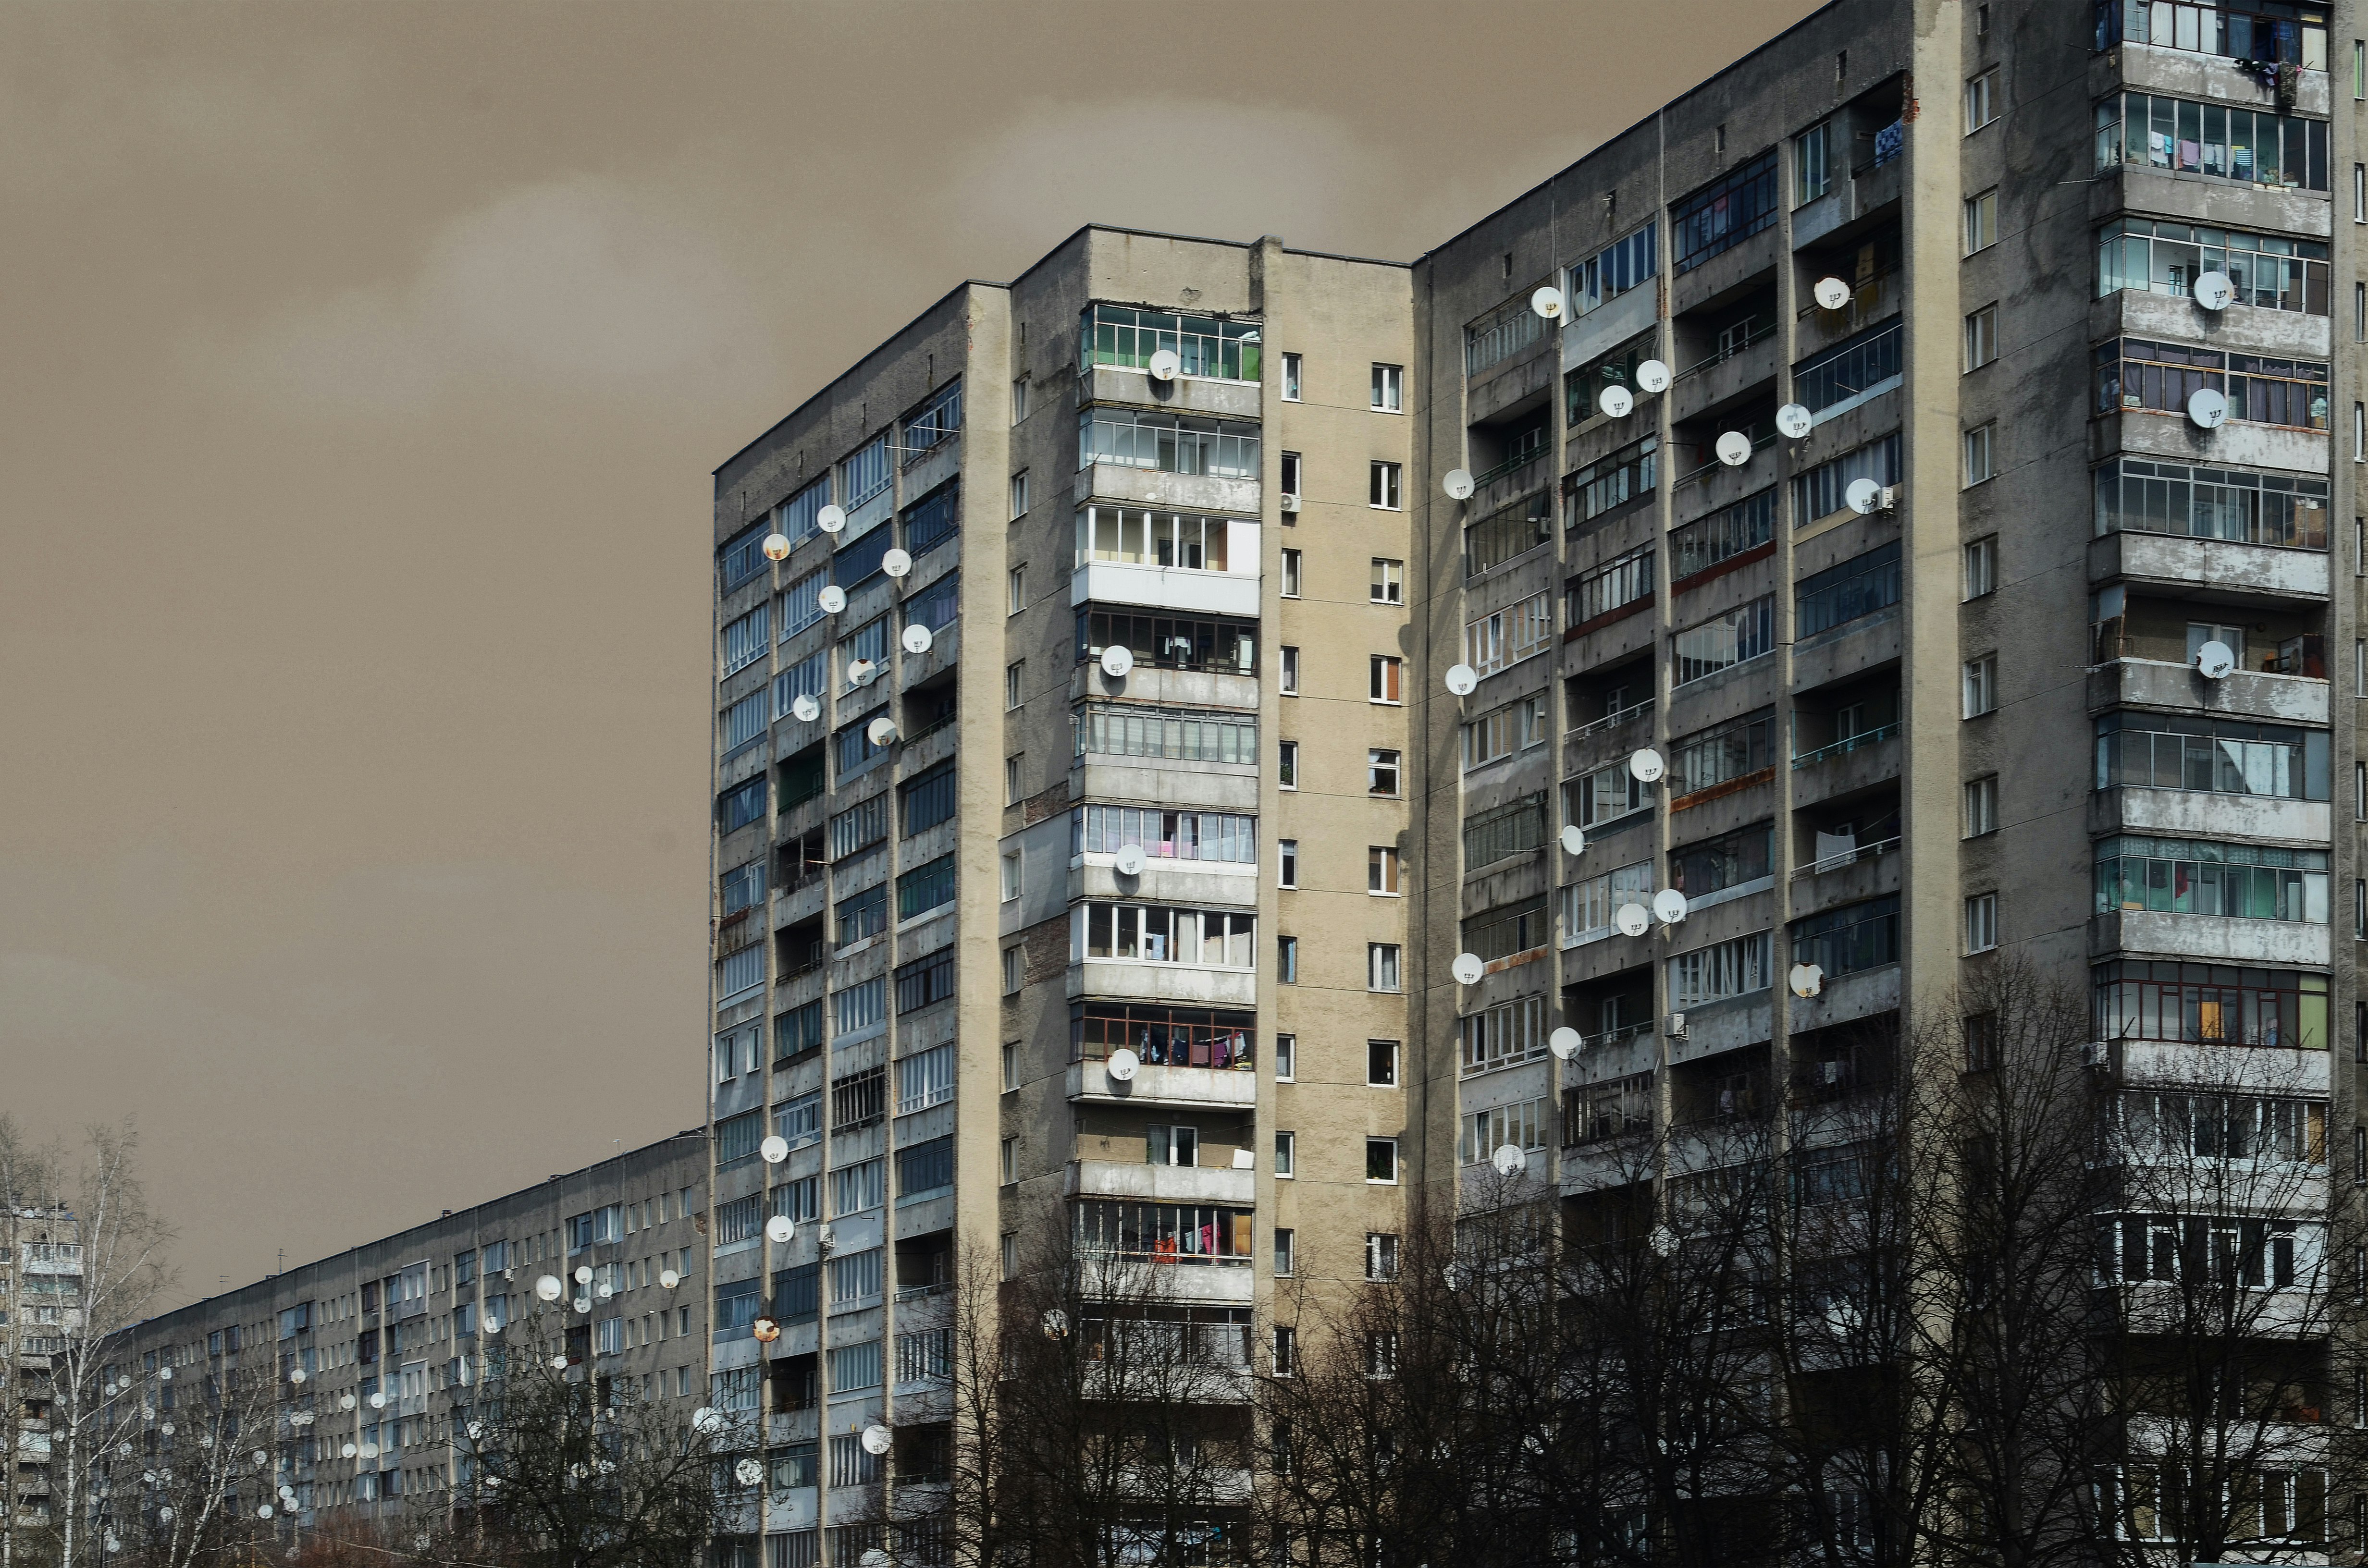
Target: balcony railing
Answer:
pixel 1875 736
pixel 1612 721
pixel 1752 337
pixel 1841 857
pixel 1714 465
pixel 1510 465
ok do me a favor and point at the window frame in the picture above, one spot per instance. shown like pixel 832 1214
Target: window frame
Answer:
pixel 1389 1146
pixel 1386 486
pixel 1980 231
pixel 1388 388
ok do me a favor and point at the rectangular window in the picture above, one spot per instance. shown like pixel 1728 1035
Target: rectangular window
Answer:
pixel 1981 806
pixel 925 981
pixel 1168 443
pixel 741 804
pixel 1981 221
pixel 1381 488
pixel 1746 525
pixel 1507 533
pixel 1980 100
pixel 1850 373
pixel 1020 498
pixel 2142 495
pixel 1287 766
pixel 1283 1253
pixel 1381 1165
pixel 1287 875
pixel 1613 271
pixel 926 799
pixel 2255 147
pixel 860 828
pixel 1610 487
pixel 1523 1125
pixel 1723 214
pixel 1290 578
pixel 1014 687
pixel 853 1366
pixel 1286 960
pixel 1207 346
pixel 1857 588
pixel 1171 1145
pixel 1382 966
pixel 1741 634
pixel 1286 1155
pixel 1388 586
pixel 1501 333
pixel 867 473
pixel 1389 388
pixel 1014 969
pixel 1981 685
pixel 859 1006
pixel 1505 1035
pixel 854 1188
pixel 1381 871
pixel 924 1167
pixel 1812 163
pixel 1981 337
pixel 1506 929
pixel 1287 676
pixel 1516 726
pixel 1170 642
pixel 855 748
pixel 1018 399
pixel 1291 378
pixel 1175 735
pixel 1981 567
pixel 2182 876
pixel 1733 968
pixel 2271 272
pixel 1500 833
pixel 747 638
pixel 810 677
pixel 1606 795
pixel 1157 934
pixel 1289 474
pixel 1381 771
pixel 1625 580
pixel 1981 922
pixel 1825 488
pixel 925 888
pixel 1589 907
pixel 1386 684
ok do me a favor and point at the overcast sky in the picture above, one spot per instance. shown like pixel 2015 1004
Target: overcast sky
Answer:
pixel 365 368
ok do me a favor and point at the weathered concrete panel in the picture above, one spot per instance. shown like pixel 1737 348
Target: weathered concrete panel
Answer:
pixel 2196 814
pixel 1183 491
pixel 1185 395
pixel 2157 682
pixel 2225 566
pixel 2214 938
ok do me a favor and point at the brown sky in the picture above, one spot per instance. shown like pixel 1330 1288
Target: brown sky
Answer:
pixel 364 365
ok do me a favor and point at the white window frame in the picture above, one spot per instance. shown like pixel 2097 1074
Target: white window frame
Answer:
pixel 1981 806
pixel 1981 221
pixel 1385 960
pixel 1385 672
pixel 1293 384
pixel 1981 567
pixel 1389 388
pixel 1981 454
pixel 1384 487
pixel 1019 495
pixel 1287 766
pixel 1981 922
pixel 1286 1155
pixel 1981 337
pixel 1980 685
pixel 1388 584
pixel 1287 668
pixel 1981 100
pixel 1286 865
pixel 1292 562
pixel 1396 1169
pixel 1015 589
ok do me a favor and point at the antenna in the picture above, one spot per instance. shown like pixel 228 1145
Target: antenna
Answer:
pixel 1616 402
pixel 1831 293
pixel 1863 496
pixel 2208 408
pixel 2213 291
pixel 1795 420
pixel 896 563
pixel 1123 1065
pixel 2214 660
pixel 1468 969
pixel 1633 920
pixel 1646 766
pixel 1574 839
pixel 1652 376
pixel 917 638
pixel 1564 1043
pixel 805 708
pixel 830 519
pixel 1129 860
pixel 1117 660
pixel 1547 302
pixel 1458 484
pixel 1164 365
pixel 1733 448
pixel 1463 679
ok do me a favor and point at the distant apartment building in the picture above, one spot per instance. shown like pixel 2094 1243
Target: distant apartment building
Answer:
pixel 41 1278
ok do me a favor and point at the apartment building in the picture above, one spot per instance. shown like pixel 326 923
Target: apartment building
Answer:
pixel 41 1277
pixel 371 1357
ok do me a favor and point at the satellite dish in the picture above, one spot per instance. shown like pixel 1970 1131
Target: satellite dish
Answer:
pixel 1468 969
pixel 766 1330
pixel 348 1450
pixel 165 1374
pixel 669 1278
pixel 1793 420
pixel 493 1326
pixel 263 1510
pixel 831 598
pixel 2214 660
pixel 878 1439
pixel 896 563
pixel 1117 661
pixel 548 1287
pixel 881 731
pixel 377 1401
pixel 1616 402
pixel 1123 1064
pixel 166 1429
pixel 604 1291
pixel 584 1274
pixel 296 1375
pixel 1669 907
pixel 830 519
pixel 774 1150
pixel 2208 408
pixel 804 709
pixel 1463 679
pixel 1458 484
pixel 1165 365
pixel 1509 1159
pixel 777 547
pixel 1056 1323
pixel 1807 980
pixel 1646 766
pixel 1733 448
pixel 1547 302
pixel 2213 291
pixel 1130 861
pixel 780 1229
pixel 344 1401
pixel 1564 1043
pixel 748 1472
pixel 1652 376
pixel 582 1303
pixel 1831 293
pixel 1863 496
pixel 1664 1241
pixel 705 1419
pixel 1633 920
pixel 258 1456
pixel 916 639
pixel 1574 839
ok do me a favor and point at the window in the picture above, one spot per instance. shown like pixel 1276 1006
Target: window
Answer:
pixel 2271 272
pixel 2235 756
pixel 2180 876
pixel 1018 399
pixel 741 804
pixel 1171 1145
pixel 1288 861
pixel 1981 806
pixel 1381 1256
pixel 810 677
pixel 1013 677
pixel 1019 495
pixel 1981 685
pixel 1009 1161
pixel 1014 969
pixel 1506 929
pixel 1286 960
pixel 1283 1251
pixel 1605 795
pixel 1813 172
pixel 861 1006
pixel 1590 907
pixel 2359 69
pixel 1981 337
pixel 928 798
pixel 1157 933
pixel 1503 1035
pixel 1734 968
pixel 2253 147
pixel 1613 271
pixel 1501 333
pixel 2360 193
pixel 2360 312
pixel 1623 581
pixel 1741 634
pixel 1382 1166
pixel 1139 538
pixel 1287 766
pixel 1382 1063
pixel 2147 496
pixel 1010 875
pixel 1286 1350
pixel 1168 443
pixel 856 1188
pixel 1011 779
pixel 1287 678
pixel 1388 580
pixel 1501 731
pixel 1380 966
pixel 1290 475
pixel 2135 373
pixel 1508 636
pixel 797 1031
pixel 1981 567
pixel 1291 378
pixel 1498 833
pixel 1850 373
pixel 1170 642
pixel 1723 214
pixel 1825 488
pixel 1858 586
pixel 1381 871
pixel 1208 345
pixel 1729 860
pixel 925 981
pixel 747 639
pixel 1612 486
pixel 1381 771
pixel 1508 532
pixel 1980 109
pixel 1177 735
pixel 1389 388
pixel 1981 221
pixel 1522 1125
pixel 1384 685
pixel 860 828
pixel 1290 574
pixel 1382 486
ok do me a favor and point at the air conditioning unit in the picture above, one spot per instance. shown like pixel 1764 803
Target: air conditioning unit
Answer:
pixel 1888 500
pixel 2097 1053
pixel 1676 1026
pixel 1291 506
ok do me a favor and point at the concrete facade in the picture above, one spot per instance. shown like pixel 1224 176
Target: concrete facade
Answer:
pixel 41 1296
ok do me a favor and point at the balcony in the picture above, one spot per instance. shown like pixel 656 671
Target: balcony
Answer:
pixel 2144 432
pixel 1615 735
pixel 2218 565
pixel 1188 984
pixel 1847 767
pixel 1213 1089
pixel 1729 373
pixel 1870 301
pixel 2266 1069
pixel 1169 492
pixel 1850 996
pixel 1184 394
pixel 1177 587
pixel 2212 938
pixel 1163 1184
pixel 2250 693
pixel 2203 813
pixel 2140 313
pixel 1183 689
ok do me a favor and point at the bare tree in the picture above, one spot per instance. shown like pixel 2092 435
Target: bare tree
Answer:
pixel 190 1466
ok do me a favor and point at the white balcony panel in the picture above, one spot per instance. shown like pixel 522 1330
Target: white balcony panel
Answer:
pixel 2196 814
pixel 1205 884
pixel 1140 781
pixel 1163 1184
pixel 1180 492
pixel 1183 689
pixel 1723 1026
pixel 1609 326
pixel 1213 1087
pixel 2158 683
pixel 1164 982
pixel 1136 1279
pixel 1185 395
pixel 2267 1069
pixel 2217 565
pixel 2212 938
pixel 1167 587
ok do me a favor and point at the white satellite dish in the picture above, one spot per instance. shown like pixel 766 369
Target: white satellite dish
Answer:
pixel 1733 448
pixel 1633 920
pixel 2208 408
pixel 1130 861
pixel 780 1229
pixel 1574 839
pixel 1807 980
pixel 2213 291
pixel 344 1401
pixel 377 1401
pixel 1564 1043
pixel 1458 484
pixel 2213 661
pixel 582 1303
pixel 1669 907
pixel 348 1450
pixel 1652 376
pixel 1664 1241
pixel 881 731
pixel 777 547
pixel 1616 402
pixel 584 1274
pixel 705 1419
pixel 1831 293
pixel 805 708
pixel 861 672
pixel 748 1472
pixel 1123 1064
pixel 296 1374
pixel 1793 420
pixel 1646 766
pixel 1164 365
pixel 1117 661
pixel 831 598
pixel 669 1279
pixel 263 1510
pixel 258 1456
pixel 1547 302
pixel 916 639
pixel 878 1439
pixel 1467 969
pixel 1509 1159
pixel 774 1150
pixel 165 1374
pixel 830 519
pixel 896 563
pixel 1863 496
pixel 1056 1323
pixel 493 1326
pixel 549 1287
pixel 1463 679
